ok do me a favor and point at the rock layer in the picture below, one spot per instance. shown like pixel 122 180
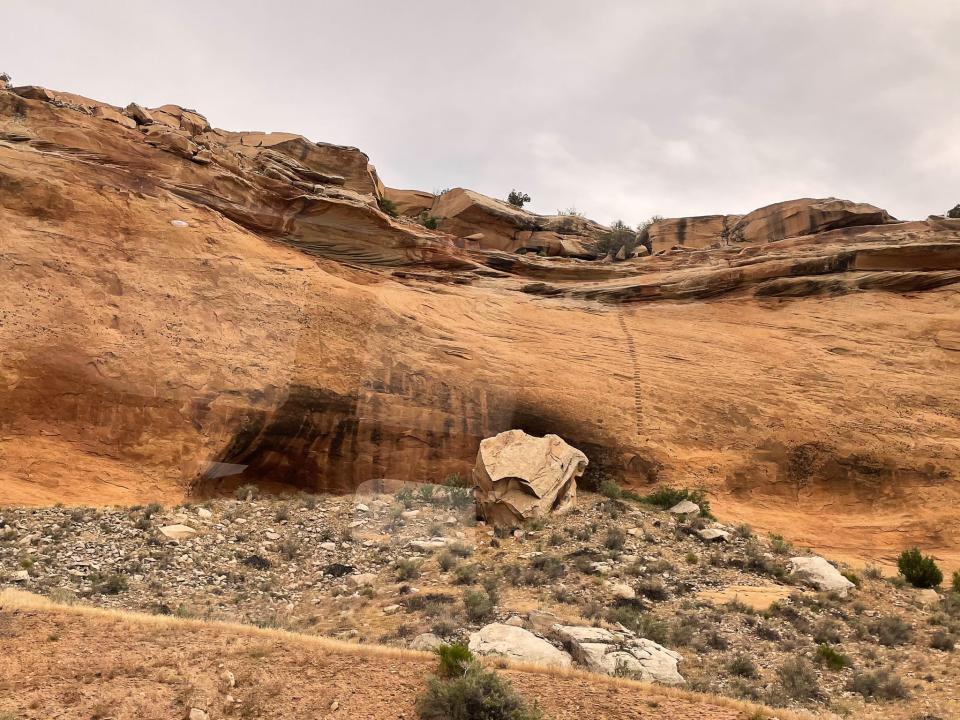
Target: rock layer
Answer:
pixel 182 316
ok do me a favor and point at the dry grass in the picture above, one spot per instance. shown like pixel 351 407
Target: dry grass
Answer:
pixel 19 600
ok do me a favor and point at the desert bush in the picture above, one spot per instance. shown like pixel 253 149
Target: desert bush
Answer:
pixel 955 581
pixel 878 685
pixel 467 574
pixel 798 679
pixel 827 631
pixel 890 630
pixel 549 566
pixel 112 584
pixel 454 659
pixel 639 622
pixel 478 604
pixel 954 212
pixel 743 666
pixel 478 694
pixel 387 206
pixel 447 561
pixel 460 549
pixel 872 572
pixel 942 640
pixel 615 539
pixel 667 497
pixel 919 570
pixel 518 199
pixel 830 657
pixel 610 489
pixel 779 545
pixel 852 577
pixel 431 222
pixel 653 589
pixel 407 569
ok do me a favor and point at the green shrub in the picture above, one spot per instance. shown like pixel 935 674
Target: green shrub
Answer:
pixel 447 561
pixel 942 640
pixel 112 584
pixel 954 212
pixel 890 630
pixel 742 666
pixel 467 574
pixel 478 694
pixel 639 622
pixel 919 570
pixel 667 497
pixel 831 658
pixel 852 577
pixel 407 569
pixel 798 679
pixel 431 222
pixel 615 539
pixel 610 489
pixel 955 582
pixel 518 199
pixel 454 659
pixel 387 206
pixel 878 685
pixel 478 604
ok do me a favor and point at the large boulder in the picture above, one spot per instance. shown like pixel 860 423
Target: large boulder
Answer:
pixel 518 477
pixel 621 653
pixel 485 223
pixel 515 643
pixel 820 573
pixel 805 216
pixel 689 232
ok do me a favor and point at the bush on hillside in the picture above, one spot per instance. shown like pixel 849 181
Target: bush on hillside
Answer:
pixel 455 659
pixel 954 212
pixel 477 694
pixel 919 570
pixel 518 199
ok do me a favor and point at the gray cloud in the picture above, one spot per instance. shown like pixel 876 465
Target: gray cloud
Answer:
pixel 622 109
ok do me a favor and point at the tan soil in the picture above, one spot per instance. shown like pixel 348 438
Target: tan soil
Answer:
pixel 60 662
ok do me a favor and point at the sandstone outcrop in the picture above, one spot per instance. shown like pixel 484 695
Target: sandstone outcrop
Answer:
pixel 519 477
pixel 515 643
pixel 622 654
pixel 821 574
pixel 167 316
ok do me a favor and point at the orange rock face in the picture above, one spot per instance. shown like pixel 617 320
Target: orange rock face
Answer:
pixel 184 315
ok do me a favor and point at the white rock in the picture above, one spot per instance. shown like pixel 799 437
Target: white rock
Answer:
pixel 272 535
pixel 21 575
pixel 685 507
pixel 228 679
pixel 516 643
pixel 178 532
pixel 391 609
pixel 713 535
pixel 821 574
pixel 622 591
pixel 427 545
pixel 182 224
pixel 360 507
pixel 515 621
pixel 198 714
pixel 426 641
pixel 410 514
pixel 329 546
pixel 612 653
pixel 204 513
pixel 361 580
pixel 927 597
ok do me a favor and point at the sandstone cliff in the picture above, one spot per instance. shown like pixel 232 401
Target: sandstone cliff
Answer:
pixel 186 308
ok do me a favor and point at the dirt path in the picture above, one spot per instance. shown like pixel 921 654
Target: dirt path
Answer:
pixel 70 663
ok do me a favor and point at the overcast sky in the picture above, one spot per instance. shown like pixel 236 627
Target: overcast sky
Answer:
pixel 621 109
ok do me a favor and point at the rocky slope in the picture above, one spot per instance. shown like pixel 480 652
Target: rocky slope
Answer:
pixel 187 309
pixel 719 609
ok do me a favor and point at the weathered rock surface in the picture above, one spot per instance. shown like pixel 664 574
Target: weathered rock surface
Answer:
pixel 515 643
pixel 271 331
pixel 621 653
pixel 821 574
pixel 518 477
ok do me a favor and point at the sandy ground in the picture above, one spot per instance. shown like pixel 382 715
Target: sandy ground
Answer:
pixel 68 662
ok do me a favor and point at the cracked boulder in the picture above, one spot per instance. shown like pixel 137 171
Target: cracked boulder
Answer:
pixel 621 654
pixel 515 643
pixel 518 477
